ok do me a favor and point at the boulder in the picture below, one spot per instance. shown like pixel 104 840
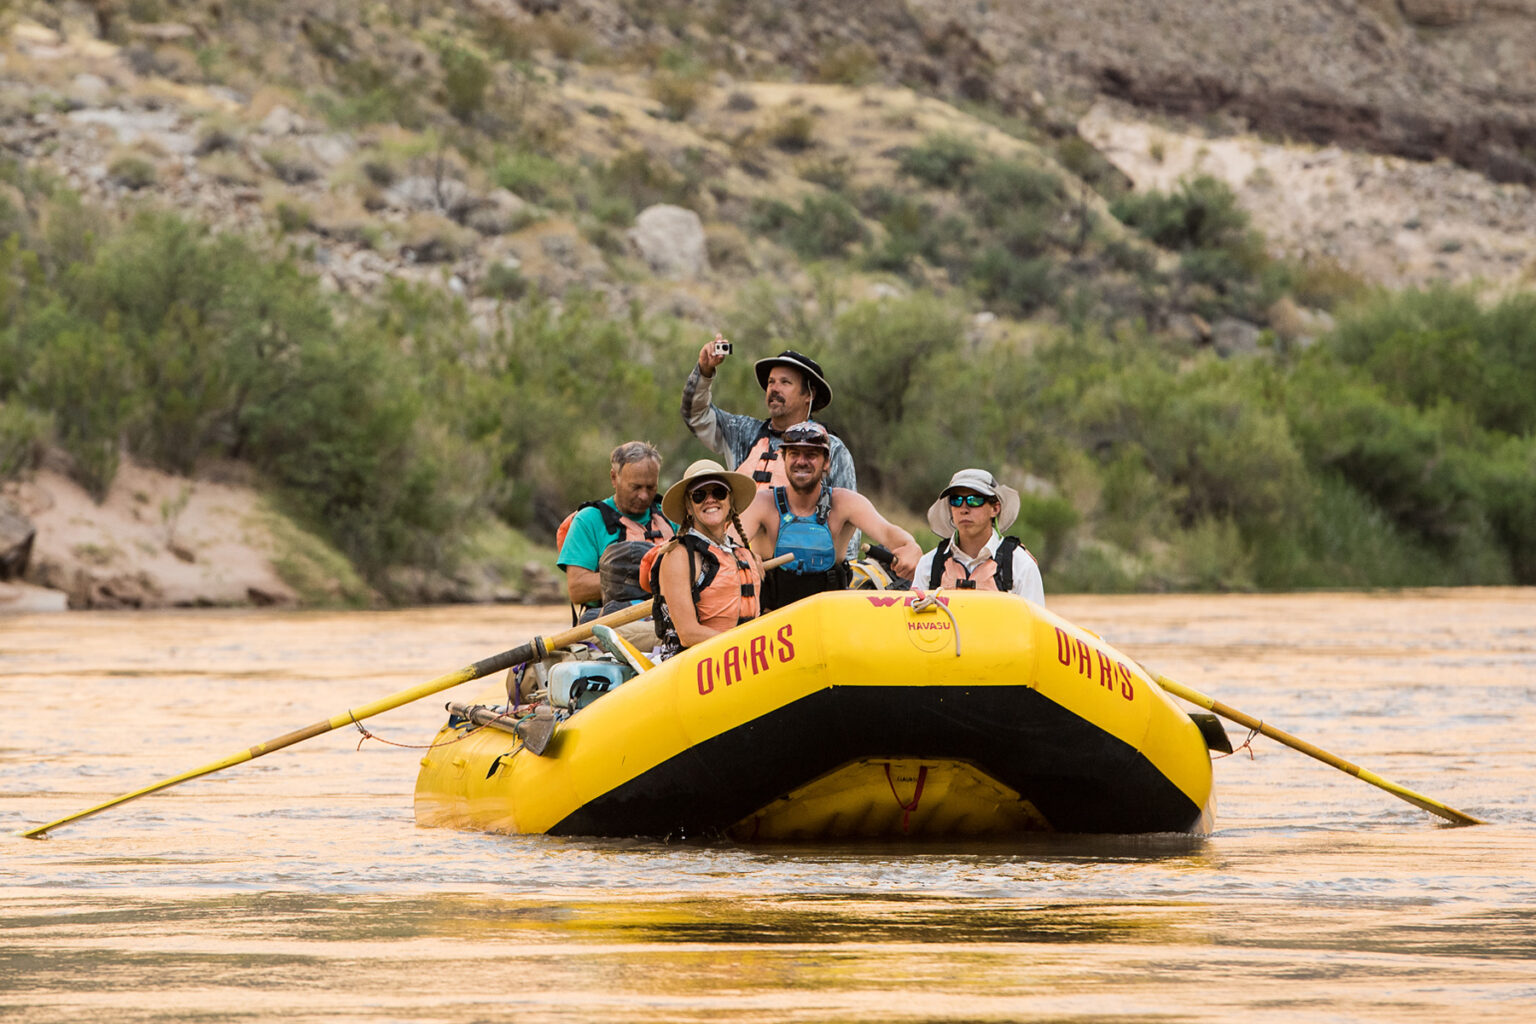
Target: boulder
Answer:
pixel 671 240
pixel 16 536
pixel 1231 336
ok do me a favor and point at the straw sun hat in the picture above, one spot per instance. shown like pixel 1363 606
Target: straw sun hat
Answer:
pixel 674 503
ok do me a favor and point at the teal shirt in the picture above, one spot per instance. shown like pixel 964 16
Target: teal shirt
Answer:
pixel 589 537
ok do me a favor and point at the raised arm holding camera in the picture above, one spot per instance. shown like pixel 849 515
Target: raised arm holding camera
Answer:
pixel 793 386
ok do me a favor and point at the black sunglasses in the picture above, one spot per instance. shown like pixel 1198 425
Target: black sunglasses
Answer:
pixel 704 492
pixel 973 500
pixel 808 436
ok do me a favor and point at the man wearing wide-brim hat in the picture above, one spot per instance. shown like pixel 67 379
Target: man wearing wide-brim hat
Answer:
pixel 793 388
pixel 970 513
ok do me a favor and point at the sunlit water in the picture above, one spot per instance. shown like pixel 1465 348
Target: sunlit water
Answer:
pixel 297 887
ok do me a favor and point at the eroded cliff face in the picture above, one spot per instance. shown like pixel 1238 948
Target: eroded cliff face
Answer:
pixel 1422 79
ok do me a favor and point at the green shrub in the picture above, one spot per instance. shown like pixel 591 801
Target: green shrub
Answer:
pixel 940 161
pixel 998 188
pixel 1404 459
pixel 133 172
pixel 23 433
pixel 466 77
pixel 880 355
pixel 504 282
pixel 848 64
pixel 1202 214
pixel 1012 284
pixel 826 225
pixel 1046 525
pixel 792 130
pixel 532 176
pixel 641 179
pixel 1508 488
pixel 678 89
pixel 1425 347
pixel 84 375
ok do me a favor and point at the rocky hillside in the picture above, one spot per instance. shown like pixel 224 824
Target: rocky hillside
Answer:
pixel 495 148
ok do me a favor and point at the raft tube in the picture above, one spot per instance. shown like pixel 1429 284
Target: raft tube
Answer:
pixel 849 715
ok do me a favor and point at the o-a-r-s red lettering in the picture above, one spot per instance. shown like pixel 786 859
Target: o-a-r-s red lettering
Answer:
pixel 741 660
pixel 1075 653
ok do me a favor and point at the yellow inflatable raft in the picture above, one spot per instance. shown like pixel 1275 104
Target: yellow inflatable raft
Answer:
pixel 849 715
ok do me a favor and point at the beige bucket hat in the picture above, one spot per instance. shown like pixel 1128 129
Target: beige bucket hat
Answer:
pixel 982 482
pixel 674 503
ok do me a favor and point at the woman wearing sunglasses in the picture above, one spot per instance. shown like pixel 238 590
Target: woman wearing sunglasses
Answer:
pixel 707 580
pixel 969 514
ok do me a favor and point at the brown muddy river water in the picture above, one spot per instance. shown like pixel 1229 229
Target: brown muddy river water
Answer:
pixel 297 887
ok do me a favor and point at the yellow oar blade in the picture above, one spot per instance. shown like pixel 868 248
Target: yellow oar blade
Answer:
pixel 1194 696
pixel 533 650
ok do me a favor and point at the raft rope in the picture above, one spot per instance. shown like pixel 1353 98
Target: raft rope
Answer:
pixel 917 794
pixel 1247 745
pixel 408 746
pixel 930 600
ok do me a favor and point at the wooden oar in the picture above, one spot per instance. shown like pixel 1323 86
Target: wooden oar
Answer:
pixel 1211 704
pixel 531 651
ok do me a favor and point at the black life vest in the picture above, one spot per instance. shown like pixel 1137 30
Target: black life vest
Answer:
pixel 1002 574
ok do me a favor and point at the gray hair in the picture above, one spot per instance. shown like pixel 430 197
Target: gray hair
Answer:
pixel 634 451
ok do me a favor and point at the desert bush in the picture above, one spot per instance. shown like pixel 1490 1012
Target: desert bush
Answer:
pixel 791 129
pixel 1507 481
pixel 1406 460
pixel 503 281
pixel 24 431
pixel 1012 284
pixel 940 161
pixel 880 355
pixel 824 226
pixel 643 180
pixel 132 171
pixel 466 76
pixel 848 64
pixel 679 83
pixel 998 188
pixel 1201 214
pixel 532 176
pixel 1437 345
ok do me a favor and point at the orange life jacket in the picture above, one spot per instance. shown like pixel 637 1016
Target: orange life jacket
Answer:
pixel 764 463
pixel 621 526
pixel 995 573
pixel 725 584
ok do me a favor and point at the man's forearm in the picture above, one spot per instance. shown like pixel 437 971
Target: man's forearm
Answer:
pixel 583 585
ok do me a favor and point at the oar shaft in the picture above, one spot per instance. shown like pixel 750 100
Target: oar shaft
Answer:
pixel 1194 696
pixel 530 651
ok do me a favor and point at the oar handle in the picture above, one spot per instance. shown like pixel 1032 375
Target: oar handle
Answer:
pixel 531 651
pixel 1258 725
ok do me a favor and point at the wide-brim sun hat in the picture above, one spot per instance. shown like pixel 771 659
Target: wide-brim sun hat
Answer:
pixel 821 391
pixel 674 503
pixel 982 482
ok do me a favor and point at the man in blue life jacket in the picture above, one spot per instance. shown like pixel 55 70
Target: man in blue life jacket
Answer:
pixel 815 521
pixel 602 542
pixel 794 387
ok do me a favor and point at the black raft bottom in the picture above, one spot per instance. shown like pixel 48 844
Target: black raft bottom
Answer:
pixel 1078 777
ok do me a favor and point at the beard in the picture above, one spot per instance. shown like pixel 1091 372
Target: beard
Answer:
pixel 810 486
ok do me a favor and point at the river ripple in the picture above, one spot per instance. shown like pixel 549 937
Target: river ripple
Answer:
pixel 297 887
